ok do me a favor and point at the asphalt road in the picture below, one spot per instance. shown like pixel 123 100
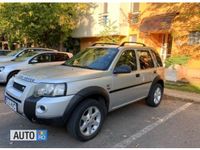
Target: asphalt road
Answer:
pixel 172 124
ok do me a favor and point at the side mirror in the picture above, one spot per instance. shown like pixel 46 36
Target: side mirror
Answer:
pixel 122 69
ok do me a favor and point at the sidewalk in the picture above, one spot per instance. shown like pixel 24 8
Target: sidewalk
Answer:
pixel 181 95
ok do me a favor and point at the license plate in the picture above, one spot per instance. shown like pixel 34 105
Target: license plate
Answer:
pixel 11 104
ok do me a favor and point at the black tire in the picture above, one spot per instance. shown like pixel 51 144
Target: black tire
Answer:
pixel 73 125
pixel 11 75
pixel 150 99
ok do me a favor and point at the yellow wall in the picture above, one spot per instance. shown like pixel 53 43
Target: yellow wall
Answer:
pixel 187 20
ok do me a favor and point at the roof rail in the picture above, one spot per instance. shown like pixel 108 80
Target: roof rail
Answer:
pixel 103 44
pixel 132 43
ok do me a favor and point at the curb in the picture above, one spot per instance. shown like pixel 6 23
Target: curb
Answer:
pixel 181 96
pixel 169 97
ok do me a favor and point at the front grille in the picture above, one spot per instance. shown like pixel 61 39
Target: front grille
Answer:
pixel 19 87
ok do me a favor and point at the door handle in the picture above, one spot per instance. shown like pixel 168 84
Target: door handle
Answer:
pixel 137 75
pixel 154 71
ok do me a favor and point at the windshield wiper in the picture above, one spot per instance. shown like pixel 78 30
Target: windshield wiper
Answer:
pixel 86 67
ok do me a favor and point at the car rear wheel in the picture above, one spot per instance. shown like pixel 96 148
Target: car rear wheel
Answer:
pixel 155 95
pixel 87 120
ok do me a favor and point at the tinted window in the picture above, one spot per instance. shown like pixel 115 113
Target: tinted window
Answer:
pixel 157 58
pixel 145 59
pixel 128 58
pixel 42 58
pixel 59 57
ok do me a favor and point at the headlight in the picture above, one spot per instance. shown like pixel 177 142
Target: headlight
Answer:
pixel 1 69
pixel 50 90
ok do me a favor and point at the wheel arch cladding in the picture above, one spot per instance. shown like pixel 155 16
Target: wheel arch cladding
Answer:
pixel 159 80
pixel 95 92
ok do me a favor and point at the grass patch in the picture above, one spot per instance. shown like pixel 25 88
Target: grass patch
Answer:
pixel 183 87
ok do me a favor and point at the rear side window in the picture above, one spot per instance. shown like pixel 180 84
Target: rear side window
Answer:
pixel 59 57
pixel 145 59
pixel 157 58
pixel 128 58
pixel 42 58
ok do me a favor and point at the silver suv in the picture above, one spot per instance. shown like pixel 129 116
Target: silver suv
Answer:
pixel 80 92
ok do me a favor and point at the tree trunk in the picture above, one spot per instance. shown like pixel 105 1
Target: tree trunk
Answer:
pixel 61 45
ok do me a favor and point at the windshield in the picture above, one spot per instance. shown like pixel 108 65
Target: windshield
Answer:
pixel 13 53
pixel 25 56
pixel 93 58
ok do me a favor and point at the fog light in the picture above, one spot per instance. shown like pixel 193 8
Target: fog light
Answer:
pixel 41 109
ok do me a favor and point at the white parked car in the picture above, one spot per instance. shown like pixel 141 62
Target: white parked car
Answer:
pixel 30 60
pixel 17 53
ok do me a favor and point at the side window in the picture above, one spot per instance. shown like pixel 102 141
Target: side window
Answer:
pixel 42 58
pixel 157 58
pixel 25 52
pixel 128 58
pixel 22 53
pixel 60 57
pixel 145 59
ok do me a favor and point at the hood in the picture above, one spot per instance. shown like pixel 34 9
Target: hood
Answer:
pixel 61 73
pixel 6 58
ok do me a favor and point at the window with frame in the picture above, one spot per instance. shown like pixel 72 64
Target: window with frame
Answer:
pixel 145 59
pixel 42 58
pixel 105 7
pixel 134 13
pixel 194 37
pixel 156 57
pixel 104 17
pixel 135 7
pixel 128 58
pixel 59 57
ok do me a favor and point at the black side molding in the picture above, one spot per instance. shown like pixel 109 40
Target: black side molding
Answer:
pixel 129 87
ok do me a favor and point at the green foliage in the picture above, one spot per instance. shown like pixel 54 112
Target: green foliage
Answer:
pixel 109 33
pixel 46 24
pixel 183 87
pixel 180 60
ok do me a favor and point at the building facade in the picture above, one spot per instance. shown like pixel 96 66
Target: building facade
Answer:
pixel 171 28
pixel 92 25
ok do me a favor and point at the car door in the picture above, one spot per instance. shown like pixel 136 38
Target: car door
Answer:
pixel 147 70
pixel 41 60
pixel 125 86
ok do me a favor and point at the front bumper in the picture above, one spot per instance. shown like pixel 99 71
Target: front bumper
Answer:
pixel 37 109
pixel 46 107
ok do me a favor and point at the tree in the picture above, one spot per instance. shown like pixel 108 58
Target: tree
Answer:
pixel 44 24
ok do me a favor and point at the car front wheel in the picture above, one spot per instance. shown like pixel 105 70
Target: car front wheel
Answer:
pixel 87 120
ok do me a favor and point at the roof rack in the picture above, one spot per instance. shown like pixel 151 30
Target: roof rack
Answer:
pixel 132 43
pixel 104 44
